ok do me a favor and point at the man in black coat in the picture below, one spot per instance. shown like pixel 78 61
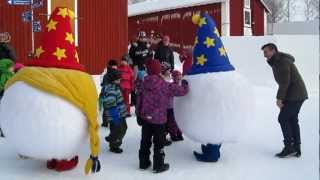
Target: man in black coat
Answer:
pixel 164 53
pixel 140 52
pixel 291 94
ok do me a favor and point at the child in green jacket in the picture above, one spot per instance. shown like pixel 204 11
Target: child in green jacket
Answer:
pixel 6 72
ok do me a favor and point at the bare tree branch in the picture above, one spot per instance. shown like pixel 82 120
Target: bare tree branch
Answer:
pixel 276 7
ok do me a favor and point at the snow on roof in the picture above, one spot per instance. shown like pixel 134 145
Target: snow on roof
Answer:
pixel 163 5
pixel 152 6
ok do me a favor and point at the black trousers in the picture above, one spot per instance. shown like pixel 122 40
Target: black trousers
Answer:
pixel 117 133
pixel 289 122
pixel 158 134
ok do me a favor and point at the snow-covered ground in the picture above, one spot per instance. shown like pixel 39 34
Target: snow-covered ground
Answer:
pixel 252 158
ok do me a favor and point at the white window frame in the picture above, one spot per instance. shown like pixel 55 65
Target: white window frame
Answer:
pixel 76 27
pixel 247 4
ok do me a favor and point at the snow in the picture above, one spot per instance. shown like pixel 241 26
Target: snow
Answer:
pixel 251 158
pixel 163 5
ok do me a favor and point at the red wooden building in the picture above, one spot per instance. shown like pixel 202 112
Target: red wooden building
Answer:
pixel 173 17
pixel 101 28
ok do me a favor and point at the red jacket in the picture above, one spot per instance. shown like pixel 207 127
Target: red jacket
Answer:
pixel 127 77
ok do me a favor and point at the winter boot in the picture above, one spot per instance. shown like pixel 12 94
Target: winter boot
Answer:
pixel 52 164
pixel 144 161
pixel 298 149
pixel 158 163
pixel 65 165
pixel 211 153
pixel 288 151
pixel 177 137
pixel 116 150
pixel 1 133
pixel 167 142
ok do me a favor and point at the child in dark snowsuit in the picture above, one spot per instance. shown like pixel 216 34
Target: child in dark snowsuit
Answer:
pixel 115 110
pixel 6 72
pixel 155 99
pixel 112 64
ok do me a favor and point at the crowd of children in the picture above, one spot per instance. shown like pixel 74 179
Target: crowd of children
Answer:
pixel 155 86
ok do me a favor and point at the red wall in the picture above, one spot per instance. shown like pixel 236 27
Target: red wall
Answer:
pixel 175 23
pixel 257 11
pixel 103 30
pixel 11 21
pixel 236 17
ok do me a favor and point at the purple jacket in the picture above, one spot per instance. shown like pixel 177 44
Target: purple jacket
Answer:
pixel 155 98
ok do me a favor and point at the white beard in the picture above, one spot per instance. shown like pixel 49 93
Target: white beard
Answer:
pixel 216 108
pixel 41 125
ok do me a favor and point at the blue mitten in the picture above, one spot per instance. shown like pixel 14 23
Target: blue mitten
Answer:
pixel 115 115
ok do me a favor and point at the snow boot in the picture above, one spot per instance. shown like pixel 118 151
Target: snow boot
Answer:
pixel 144 160
pixel 158 163
pixel 211 153
pixel 116 150
pixel 177 137
pixel 167 142
pixel 288 151
pixel 65 165
pixel 51 164
pixel 298 149
pixel 1 133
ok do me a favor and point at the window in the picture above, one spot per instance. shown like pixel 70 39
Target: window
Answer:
pixel 247 18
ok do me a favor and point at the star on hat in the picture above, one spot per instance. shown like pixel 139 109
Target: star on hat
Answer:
pixel 58 49
pixel 209 54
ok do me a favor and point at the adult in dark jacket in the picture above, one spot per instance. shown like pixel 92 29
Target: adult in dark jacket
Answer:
pixel 140 52
pixel 6 50
pixel 164 53
pixel 291 94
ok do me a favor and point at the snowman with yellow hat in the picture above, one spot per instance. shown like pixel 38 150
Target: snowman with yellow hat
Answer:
pixel 49 108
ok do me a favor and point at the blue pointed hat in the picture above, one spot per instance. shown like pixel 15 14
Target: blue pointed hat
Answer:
pixel 209 54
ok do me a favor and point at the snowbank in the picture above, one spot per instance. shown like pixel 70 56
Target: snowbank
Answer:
pixel 246 55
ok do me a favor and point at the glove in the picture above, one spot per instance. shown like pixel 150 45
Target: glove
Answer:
pixel 93 164
pixel 184 82
pixel 115 116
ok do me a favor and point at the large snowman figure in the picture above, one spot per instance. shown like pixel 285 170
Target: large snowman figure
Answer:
pixel 49 108
pixel 219 100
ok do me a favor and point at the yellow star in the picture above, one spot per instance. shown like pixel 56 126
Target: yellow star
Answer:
pixel 77 56
pixel 63 12
pixel 60 53
pixel 69 37
pixel 222 51
pixel 196 41
pixel 202 21
pixel 201 60
pixel 39 51
pixel 52 25
pixel 209 42
pixel 71 14
pixel 216 31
